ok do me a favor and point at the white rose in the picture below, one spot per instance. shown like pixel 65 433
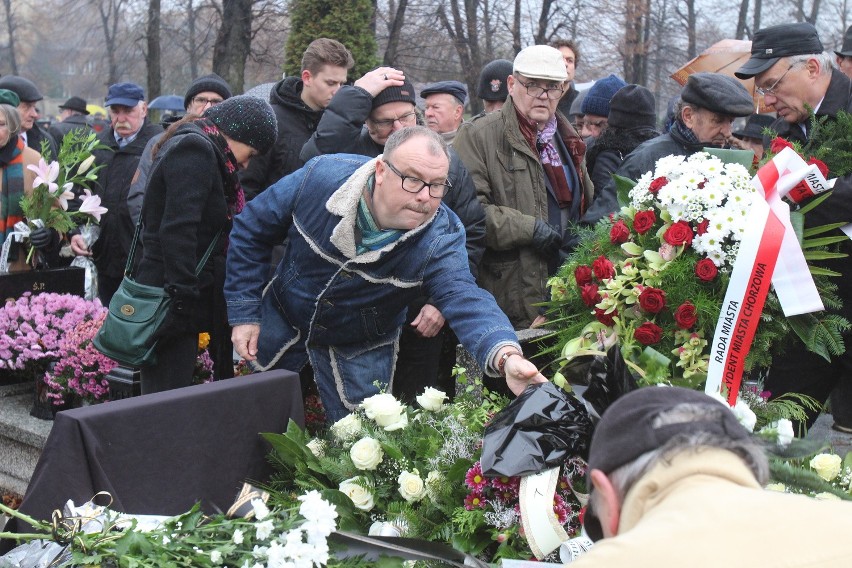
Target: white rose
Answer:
pixel 826 496
pixel 347 427
pixel 383 528
pixel 385 410
pixel 411 487
pixel 317 447
pixel 361 497
pixel 745 415
pixel 782 430
pixel 827 466
pixel 432 399
pixel 366 454
pixel 779 487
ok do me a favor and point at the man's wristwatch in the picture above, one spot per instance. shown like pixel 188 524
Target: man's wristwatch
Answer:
pixel 501 362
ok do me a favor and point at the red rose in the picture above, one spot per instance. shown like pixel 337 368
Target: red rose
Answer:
pixel 706 270
pixel 643 221
pixel 583 275
pixel 652 300
pixel 606 318
pixel 590 295
pixel 603 268
pixel 657 184
pixel 685 316
pixel 648 333
pixel 823 169
pixel 679 234
pixel 702 227
pixel 619 233
pixel 779 144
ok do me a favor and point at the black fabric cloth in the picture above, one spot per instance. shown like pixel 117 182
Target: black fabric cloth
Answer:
pixel 74 122
pixel 296 122
pixel 796 370
pixel 567 100
pixel 176 356
pixel 162 453
pixel 611 148
pixel 112 247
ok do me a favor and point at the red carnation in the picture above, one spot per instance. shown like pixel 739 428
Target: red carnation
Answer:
pixel 643 221
pixel 652 300
pixel 603 268
pixel 608 319
pixel 706 270
pixel 685 316
pixel 648 333
pixel 702 227
pixel 820 166
pixel 779 144
pixel 583 275
pixel 590 295
pixel 678 234
pixel 657 184
pixel 619 233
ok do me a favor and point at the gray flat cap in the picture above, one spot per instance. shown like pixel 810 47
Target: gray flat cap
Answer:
pixel 718 93
pixel 21 86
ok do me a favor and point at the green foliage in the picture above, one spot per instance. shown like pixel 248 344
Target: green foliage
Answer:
pixel 830 140
pixel 347 21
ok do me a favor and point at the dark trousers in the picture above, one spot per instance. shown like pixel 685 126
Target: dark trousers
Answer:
pixel 800 371
pixel 107 286
pixel 176 357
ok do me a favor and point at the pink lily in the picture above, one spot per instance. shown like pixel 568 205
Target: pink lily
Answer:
pixel 92 205
pixel 45 174
pixel 65 196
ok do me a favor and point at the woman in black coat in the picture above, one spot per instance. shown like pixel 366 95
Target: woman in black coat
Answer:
pixel 191 197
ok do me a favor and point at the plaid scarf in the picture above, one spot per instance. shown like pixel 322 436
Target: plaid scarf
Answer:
pixel 12 164
pixel 234 195
pixel 541 142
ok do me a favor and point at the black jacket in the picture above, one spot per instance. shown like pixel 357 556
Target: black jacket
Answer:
pixel 296 122
pixel 342 130
pixel 111 249
pixel 73 122
pixel 34 137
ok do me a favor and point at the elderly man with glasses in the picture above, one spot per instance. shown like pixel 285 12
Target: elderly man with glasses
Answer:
pixel 796 78
pixel 367 236
pixel 528 164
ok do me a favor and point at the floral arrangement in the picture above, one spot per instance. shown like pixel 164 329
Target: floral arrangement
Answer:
pixel 81 369
pixel 276 538
pixel 652 278
pixel 824 475
pixel 394 470
pixel 32 327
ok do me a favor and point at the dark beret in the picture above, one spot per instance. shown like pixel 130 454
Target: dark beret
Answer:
pixel 718 93
pixel 24 88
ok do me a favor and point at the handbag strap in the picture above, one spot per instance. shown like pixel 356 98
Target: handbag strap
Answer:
pixel 130 255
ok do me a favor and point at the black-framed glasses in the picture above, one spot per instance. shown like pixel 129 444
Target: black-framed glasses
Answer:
pixel 205 101
pixel 770 90
pixel 386 124
pixel 535 91
pixel 412 184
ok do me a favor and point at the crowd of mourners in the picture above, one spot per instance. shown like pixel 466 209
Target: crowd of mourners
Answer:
pixel 357 237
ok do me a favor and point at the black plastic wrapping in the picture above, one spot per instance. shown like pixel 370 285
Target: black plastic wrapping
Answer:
pixel 609 379
pixel 540 429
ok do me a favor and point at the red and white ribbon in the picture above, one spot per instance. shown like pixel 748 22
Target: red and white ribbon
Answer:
pixel 744 300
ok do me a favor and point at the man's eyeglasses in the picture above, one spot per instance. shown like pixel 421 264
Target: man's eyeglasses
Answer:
pixel 386 124
pixel 595 123
pixel 535 91
pixel 415 185
pixel 203 101
pixel 763 91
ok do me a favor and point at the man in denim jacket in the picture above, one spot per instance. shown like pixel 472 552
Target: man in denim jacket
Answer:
pixel 366 237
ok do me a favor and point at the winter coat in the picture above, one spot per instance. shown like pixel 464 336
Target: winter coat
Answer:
pixel 344 308
pixel 296 122
pixel 73 122
pixel 110 250
pixel 704 509
pixel 342 130
pixel 34 137
pixel 511 186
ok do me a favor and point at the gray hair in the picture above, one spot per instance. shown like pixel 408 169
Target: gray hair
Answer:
pixel 436 145
pixel 13 119
pixel 825 59
pixel 625 477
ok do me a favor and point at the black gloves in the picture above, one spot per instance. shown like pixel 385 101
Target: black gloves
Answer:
pixel 44 238
pixel 546 240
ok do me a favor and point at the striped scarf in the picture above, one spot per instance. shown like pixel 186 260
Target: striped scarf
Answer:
pixel 12 164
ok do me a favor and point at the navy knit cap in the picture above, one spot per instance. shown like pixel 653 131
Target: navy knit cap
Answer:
pixel 212 83
pixel 246 119
pixel 492 80
pixel 598 97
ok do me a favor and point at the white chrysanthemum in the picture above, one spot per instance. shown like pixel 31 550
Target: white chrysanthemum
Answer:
pixel 261 511
pixel 264 529
pixel 238 536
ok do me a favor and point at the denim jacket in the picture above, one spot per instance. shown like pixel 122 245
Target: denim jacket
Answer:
pixel 341 309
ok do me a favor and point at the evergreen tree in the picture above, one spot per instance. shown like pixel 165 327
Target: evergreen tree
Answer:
pixel 348 21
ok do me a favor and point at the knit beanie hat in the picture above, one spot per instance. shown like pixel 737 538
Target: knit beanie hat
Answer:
pixel 404 93
pixel 492 80
pixel 633 106
pixel 597 100
pixel 246 119
pixel 212 83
